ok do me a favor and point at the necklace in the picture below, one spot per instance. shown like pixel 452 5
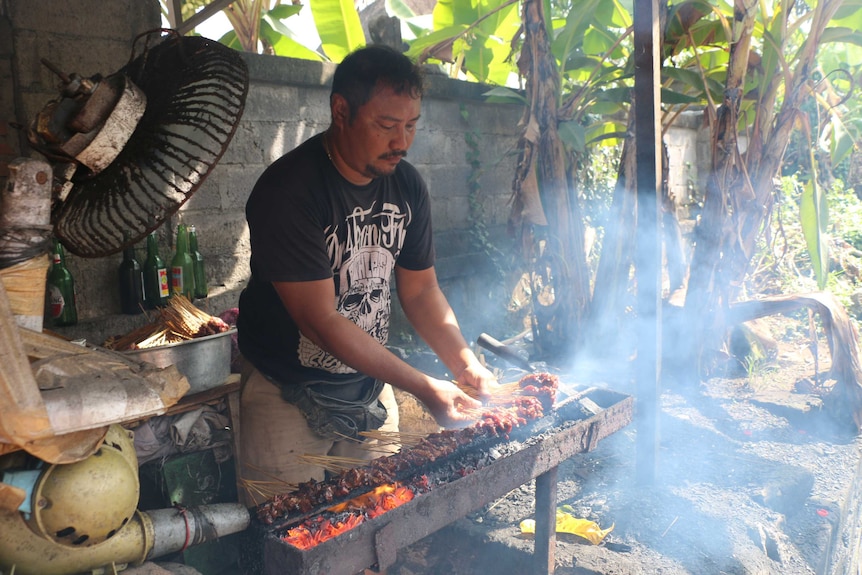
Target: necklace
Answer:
pixel 326 147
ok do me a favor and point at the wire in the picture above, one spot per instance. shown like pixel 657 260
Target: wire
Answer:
pixel 183 511
pixel 19 244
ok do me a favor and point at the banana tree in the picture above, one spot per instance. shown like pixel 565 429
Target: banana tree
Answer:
pixel 572 68
pixel 768 78
pixel 748 65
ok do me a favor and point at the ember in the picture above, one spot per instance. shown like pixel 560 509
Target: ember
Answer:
pixel 492 422
pixel 369 505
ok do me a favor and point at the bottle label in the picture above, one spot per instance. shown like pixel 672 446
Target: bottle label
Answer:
pixel 164 289
pixel 56 302
pixel 56 259
pixel 177 279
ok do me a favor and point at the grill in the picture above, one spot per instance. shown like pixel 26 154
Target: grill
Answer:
pixel 530 452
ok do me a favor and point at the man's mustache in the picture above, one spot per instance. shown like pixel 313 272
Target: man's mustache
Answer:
pixel 395 154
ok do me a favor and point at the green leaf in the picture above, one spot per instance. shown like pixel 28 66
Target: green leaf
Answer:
pixel 504 95
pixel 231 41
pixel 400 9
pixel 284 43
pixel 674 26
pixel 849 14
pixel 573 136
pixel 338 26
pixel 596 42
pixel 842 35
pixel 421 44
pixel 451 12
pixel 685 76
pixel 283 11
pixel 604 14
pixel 619 95
pixel 492 41
pixel 842 143
pixel 277 26
pixel 570 39
pixel 813 215
pixel 286 46
pixel 673 97
pixel 579 67
pixel 608 133
pixel 606 108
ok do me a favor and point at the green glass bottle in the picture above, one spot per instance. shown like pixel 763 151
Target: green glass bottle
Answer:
pixel 182 266
pixel 61 305
pixel 131 280
pixel 198 263
pixel 157 286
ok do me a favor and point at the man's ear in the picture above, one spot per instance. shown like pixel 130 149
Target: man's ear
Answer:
pixel 340 110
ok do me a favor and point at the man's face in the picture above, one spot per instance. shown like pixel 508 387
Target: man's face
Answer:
pixel 380 133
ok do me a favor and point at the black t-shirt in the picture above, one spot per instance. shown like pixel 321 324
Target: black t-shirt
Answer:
pixel 308 223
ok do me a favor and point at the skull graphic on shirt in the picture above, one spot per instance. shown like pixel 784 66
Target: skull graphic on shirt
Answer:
pixel 364 299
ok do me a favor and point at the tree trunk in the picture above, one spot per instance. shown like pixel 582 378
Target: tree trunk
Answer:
pixel 540 149
pixel 739 195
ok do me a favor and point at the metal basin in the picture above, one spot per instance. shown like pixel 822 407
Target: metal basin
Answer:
pixel 205 361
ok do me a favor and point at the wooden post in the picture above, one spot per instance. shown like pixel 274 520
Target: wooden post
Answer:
pixel 544 547
pixel 648 250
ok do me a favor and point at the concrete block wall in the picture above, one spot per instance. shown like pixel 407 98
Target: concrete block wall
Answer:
pixel 287 102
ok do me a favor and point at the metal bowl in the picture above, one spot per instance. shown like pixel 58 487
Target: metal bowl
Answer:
pixel 205 361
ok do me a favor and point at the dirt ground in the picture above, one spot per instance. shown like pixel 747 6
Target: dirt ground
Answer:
pixel 752 477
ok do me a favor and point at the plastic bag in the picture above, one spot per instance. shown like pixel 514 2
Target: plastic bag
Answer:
pixel 568 523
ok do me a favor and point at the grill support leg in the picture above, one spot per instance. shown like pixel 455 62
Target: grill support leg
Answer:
pixel 546 522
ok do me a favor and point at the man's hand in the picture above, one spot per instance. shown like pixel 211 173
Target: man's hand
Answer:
pixel 479 378
pixel 447 403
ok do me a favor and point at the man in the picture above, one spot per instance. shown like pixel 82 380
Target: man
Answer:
pixel 330 222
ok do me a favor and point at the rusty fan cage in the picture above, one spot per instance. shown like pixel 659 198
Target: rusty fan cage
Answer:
pixel 196 90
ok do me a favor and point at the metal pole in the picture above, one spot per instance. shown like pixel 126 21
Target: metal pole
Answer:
pixel 648 251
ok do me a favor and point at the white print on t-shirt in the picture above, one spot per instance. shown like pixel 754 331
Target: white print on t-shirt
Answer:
pixel 363 264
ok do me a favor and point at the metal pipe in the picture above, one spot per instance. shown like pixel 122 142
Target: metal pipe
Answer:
pixel 178 528
pixel 148 535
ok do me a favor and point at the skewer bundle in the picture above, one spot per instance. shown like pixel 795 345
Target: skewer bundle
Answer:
pixel 262 489
pixel 500 395
pixel 331 463
pixel 178 321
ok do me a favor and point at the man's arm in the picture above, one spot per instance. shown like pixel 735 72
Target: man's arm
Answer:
pixel 431 315
pixel 311 305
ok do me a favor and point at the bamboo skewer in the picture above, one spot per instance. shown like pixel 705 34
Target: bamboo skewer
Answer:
pixel 377 446
pixel 180 320
pixel 331 463
pixel 262 490
pixel 401 438
pixel 382 439
pixel 265 488
pixel 499 394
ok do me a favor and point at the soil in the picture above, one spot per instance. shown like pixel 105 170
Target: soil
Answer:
pixel 752 476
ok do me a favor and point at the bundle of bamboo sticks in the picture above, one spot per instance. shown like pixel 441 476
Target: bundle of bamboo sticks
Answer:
pixel 178 321
pixel 500 395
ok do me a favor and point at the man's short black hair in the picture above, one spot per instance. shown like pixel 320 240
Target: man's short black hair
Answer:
pixel 372 67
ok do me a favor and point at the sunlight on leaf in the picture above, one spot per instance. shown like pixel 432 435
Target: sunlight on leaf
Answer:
pixel 339 27
pixel 813 215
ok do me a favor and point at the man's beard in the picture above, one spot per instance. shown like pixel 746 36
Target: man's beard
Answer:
pixel 374 172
